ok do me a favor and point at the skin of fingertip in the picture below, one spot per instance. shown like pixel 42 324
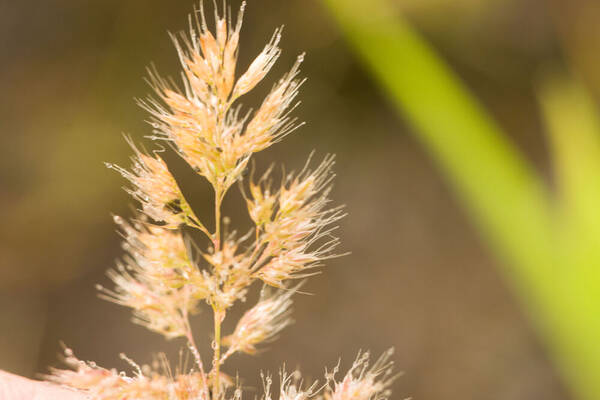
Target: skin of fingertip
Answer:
pixel 13 387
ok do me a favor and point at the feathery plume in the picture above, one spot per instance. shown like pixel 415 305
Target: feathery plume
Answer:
pixel 298 235
pixel 157 279
pixel 200 121
pixel 154 187
pixel 147 384
pixel 290 386
pixel 362 382
pixel 165 278
pixel 260 67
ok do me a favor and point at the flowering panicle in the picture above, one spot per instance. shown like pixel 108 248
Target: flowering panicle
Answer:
pixel 165 277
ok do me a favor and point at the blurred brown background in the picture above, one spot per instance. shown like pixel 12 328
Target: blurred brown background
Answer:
pixel 418 279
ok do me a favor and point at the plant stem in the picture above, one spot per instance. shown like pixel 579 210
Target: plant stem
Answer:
pixel 218 316
pixel 196 353
pixel 217 237
pixel 217 312
pixel 257 233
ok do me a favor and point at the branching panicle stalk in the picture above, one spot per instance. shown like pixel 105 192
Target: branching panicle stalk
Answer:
pixel 197 358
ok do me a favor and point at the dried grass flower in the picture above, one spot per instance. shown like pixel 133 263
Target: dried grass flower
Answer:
pixel 165 277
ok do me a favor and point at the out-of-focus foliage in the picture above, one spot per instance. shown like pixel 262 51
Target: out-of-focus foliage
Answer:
pixel 574 132
pixel 550 246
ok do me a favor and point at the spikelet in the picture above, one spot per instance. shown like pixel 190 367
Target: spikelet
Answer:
pixel 262 323
pixel 260 67
pixel 362 382
pixel 261 205
pixel 154 187
pixel 272 121
pixel 290 386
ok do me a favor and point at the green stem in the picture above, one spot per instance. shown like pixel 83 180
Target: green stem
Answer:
pixel 217 236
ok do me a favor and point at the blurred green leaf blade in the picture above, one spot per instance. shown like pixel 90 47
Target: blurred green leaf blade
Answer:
pixel 500 189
